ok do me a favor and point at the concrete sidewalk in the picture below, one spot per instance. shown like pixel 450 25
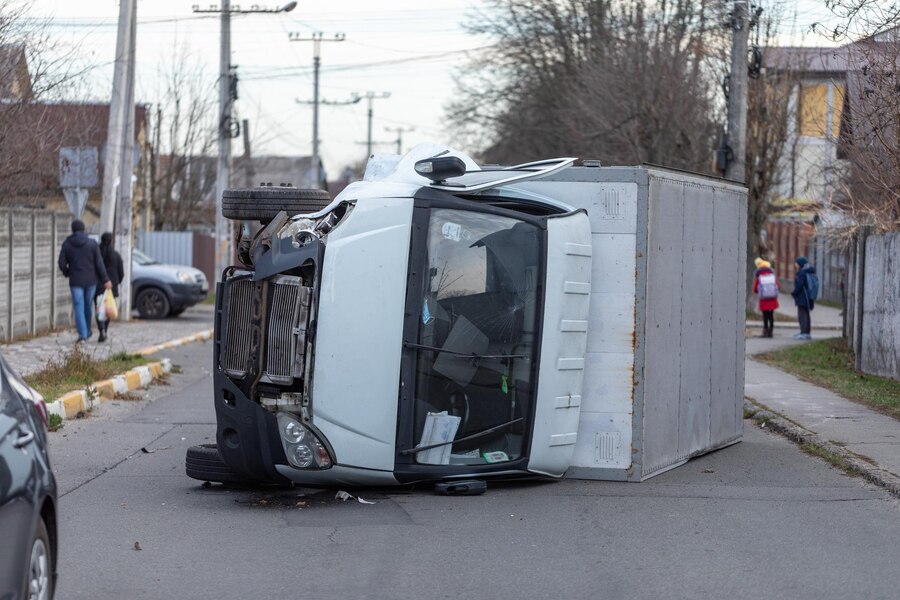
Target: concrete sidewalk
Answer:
pixel 869 440
pixel 822 317
pixel 29 356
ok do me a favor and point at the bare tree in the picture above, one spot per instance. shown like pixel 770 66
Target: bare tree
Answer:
pixel 625 82
pixel 870 133
pixel 34 67
pixel 860 18
pixel 768 113
pixel 184 174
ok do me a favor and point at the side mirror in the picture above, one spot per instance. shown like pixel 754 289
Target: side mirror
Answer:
pixel 440 168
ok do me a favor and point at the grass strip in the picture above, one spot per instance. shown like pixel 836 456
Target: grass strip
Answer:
pixel 75 369
pixel 830 364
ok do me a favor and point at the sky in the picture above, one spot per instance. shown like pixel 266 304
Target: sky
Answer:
pixel 409 48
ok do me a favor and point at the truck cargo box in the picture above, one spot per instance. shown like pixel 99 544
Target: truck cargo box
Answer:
pixel 664 366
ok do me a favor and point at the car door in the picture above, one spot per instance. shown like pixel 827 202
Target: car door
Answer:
pixel 18 489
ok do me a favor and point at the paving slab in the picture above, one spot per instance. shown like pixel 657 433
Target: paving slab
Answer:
pixel 29 356
pixel 861 430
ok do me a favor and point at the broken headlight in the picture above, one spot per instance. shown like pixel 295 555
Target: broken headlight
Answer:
pixel 301 446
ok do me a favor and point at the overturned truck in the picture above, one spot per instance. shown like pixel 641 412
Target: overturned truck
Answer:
pixel 441 320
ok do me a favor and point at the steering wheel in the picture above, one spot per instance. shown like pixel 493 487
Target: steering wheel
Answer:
pixel 459 403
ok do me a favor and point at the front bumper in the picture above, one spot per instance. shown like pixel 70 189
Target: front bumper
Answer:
pixel 247 434
pixel 186 294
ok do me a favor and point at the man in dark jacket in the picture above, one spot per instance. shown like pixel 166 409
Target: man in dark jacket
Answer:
pixel 80 261
pixel 801 298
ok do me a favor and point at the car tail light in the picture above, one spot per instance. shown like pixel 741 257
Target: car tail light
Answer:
pixel 41 407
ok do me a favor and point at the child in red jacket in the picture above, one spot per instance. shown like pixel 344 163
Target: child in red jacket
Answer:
pixel 765 286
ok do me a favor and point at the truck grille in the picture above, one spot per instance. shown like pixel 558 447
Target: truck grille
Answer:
pixel 285 343
pixel 236 338
pixel 287 331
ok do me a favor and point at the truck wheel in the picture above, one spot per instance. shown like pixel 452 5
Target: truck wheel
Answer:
pixel 263 203
pixel 204 463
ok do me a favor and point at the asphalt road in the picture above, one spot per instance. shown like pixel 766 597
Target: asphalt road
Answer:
pixel 756 520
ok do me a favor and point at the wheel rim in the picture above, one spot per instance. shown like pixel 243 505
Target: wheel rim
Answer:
pixel 152 304
pixel 39 572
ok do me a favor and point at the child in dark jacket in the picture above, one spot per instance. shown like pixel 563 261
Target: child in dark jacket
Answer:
pixel 801 298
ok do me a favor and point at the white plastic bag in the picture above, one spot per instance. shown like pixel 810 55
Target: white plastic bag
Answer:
pixel 100 307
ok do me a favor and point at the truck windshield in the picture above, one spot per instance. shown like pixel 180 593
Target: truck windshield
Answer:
pixel 476 345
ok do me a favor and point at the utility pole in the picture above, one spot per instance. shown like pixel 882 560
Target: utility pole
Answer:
pixel 400 131
pixel 737 97
pixel 226 129
pixel 370 98
pixel 316 38
pixel 117 108
pixel 247 159
pixel 125 197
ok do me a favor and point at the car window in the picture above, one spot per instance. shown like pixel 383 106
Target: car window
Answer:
pixel 141 258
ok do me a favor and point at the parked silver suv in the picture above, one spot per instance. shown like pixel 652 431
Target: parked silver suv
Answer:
pixel 160 290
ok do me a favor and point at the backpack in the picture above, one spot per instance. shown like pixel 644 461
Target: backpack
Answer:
pixel 812 286
pixel 768 288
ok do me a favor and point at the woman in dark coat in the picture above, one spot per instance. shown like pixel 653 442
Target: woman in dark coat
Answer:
pixel 116 272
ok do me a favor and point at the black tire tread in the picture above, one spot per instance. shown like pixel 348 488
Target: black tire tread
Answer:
pixel 264 203
pixel 204 463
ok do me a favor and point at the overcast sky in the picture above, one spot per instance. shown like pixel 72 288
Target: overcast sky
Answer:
pixel 409 48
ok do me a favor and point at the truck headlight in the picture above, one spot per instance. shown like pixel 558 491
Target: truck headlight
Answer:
pixel 302 448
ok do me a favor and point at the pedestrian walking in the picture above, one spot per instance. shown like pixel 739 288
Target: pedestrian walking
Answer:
pixel 806 289
pixel 81 263
pixel 116 272
pixel 765 286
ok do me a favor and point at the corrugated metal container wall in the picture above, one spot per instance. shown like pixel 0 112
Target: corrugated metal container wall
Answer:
pixel 665 353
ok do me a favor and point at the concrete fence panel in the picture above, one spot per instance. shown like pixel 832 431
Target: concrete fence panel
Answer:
pixel 34 296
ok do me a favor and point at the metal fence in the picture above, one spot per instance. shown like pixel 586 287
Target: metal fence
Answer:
pixel 830 256
pixel 180 248
pixel 34 295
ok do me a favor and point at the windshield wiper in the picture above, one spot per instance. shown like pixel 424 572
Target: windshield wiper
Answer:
pixel 464 354
pixel 471 436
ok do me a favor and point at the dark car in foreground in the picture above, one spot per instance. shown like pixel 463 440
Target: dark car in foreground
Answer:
pixel 159 290
pixel 28 533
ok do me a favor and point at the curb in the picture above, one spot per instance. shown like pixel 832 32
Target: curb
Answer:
pixel 197 337
pixel 851 462
pixel 70 404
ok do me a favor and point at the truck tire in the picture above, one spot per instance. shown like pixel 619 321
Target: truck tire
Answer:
pixel 204 463
pixel 263 203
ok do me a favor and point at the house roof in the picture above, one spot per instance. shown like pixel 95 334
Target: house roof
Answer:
pixel 807 59
pixel 33 134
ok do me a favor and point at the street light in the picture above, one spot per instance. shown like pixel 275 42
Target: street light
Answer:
pixel 223 164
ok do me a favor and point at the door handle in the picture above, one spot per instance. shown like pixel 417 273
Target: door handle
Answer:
pixel 24 439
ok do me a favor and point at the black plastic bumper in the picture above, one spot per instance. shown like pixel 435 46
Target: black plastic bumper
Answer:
pixel 247 434
pixel 186 294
